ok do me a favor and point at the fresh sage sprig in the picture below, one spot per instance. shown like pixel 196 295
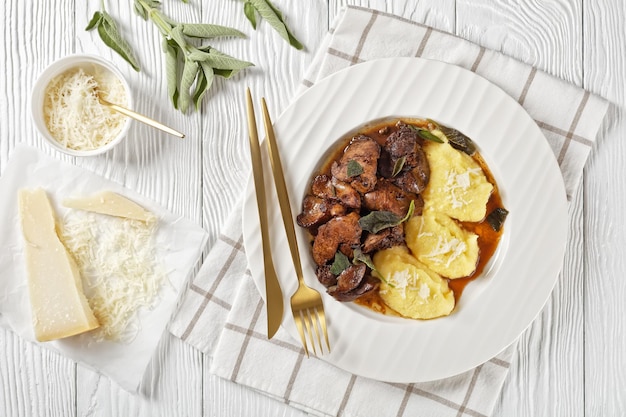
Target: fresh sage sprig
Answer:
pixel 190 68
pixel 110 35
pixel 273 16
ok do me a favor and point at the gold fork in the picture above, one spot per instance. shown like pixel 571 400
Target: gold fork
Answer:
pixel 306 303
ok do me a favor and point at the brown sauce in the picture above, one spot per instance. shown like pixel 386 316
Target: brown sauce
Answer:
pixel 488 238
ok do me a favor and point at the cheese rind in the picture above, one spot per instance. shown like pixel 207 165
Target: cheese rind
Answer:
pixel 59 307
pixel 112 204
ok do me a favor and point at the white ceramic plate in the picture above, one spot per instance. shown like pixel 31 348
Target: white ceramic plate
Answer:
pixel 503 301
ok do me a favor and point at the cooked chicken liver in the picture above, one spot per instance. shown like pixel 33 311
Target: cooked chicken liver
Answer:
pixel 365 152
pixel 341 230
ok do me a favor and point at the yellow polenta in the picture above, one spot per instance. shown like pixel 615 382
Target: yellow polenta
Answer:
pixel 409 287
pixel 442 245
pixel 458 186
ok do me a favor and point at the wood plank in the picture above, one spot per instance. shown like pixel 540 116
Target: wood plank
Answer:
pixel 545 377
pixel 165 169
pixel 605 191
pixel 34 381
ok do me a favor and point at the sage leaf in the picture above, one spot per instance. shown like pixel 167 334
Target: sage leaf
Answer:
pixel 496 218
pixel 95 21
pixel 360 257
pixel 275 18
pixel 340 264
pixel 107 29
pixel 354 169
pixel 171 70
pixel 186 81
pixel 140 11
pixel 207 31
pixel 397 167
pixel 250 12
pixel 203 83
pixel 224 73
pixel 458 140
pixel 219 60
pixel 376 221
pixel 177 35
pixel 425 134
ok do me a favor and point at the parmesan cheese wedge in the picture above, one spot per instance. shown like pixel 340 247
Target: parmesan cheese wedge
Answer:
pixel 112 204
pixel 59 307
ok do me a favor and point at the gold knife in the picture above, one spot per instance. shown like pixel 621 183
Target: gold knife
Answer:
pixel 273 293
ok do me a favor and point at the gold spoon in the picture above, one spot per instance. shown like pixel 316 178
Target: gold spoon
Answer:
pixel 139 117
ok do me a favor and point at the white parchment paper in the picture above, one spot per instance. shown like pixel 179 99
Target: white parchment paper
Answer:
pixel 179 243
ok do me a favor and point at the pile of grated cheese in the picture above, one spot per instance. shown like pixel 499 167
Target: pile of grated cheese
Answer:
pixel 73 114
pixel 117 260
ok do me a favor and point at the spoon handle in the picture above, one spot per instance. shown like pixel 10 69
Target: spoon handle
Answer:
pixel 141 118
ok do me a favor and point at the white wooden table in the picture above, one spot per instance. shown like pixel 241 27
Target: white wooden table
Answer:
pixel 570 362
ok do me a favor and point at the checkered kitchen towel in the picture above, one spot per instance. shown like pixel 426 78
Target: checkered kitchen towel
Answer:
pixel 223 315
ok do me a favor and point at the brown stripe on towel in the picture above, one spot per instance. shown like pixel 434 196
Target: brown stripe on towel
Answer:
pixel 366 31
pixel 529 81
pixel 246 340
pixel 293 376
pixel 470 389
pixel 237 246
pixel 343 55
pixel 479 58
pixel 564 133
pixel 500 362
pixel 405 400
pixel 346 395
pixel 422 46
pixel 572 128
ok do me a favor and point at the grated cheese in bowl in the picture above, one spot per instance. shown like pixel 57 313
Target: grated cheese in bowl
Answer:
pixel 66 109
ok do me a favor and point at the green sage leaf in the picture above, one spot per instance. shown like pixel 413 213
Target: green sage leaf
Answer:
pixel 273 16
pixel 207 31
pixel 140 10
pixel 95 21
pixel 171 70
pixel 425 134
pixel 360 257
pixel 397 167
pixel 340 264
pixel 107 29
pixel 203 83
pixel 224 73
pixel 190 70
pixel 376 221
pixel 250 12
pixel 219 60
pixel 177 35
pixel 354 169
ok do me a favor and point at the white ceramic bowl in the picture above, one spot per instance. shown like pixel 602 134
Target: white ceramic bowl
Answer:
pixel 87 62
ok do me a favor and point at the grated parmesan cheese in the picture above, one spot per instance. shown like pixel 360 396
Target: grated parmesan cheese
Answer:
pixel 74 116
pixel 117 260
pixel 459 181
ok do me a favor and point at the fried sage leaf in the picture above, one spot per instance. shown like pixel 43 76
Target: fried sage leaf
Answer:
pixel 354 169
pixel 496 218
pixel 397 167
pixel 340 264
pixel 362 258
pixel 380 220
pixel 425 134
pixel 458 140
